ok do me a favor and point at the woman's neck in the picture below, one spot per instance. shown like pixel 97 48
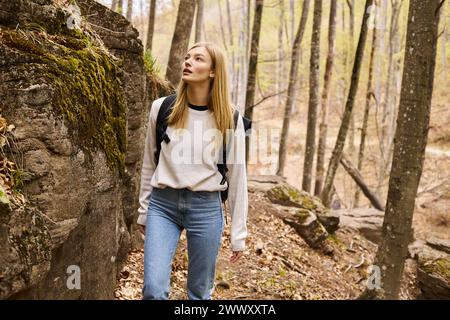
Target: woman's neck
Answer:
pixel 198 94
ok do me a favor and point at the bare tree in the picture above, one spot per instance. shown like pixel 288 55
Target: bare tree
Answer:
pixel 253 64
pixel 292 6
pixel 114 5
pixel 369 95
pixel 120 7
pixel 151 25
pixel 409 146
pixel 129 10
pixel 444 44
pixel 381 24
pixel 199 21
pixel 279 83
pixel 244 35
pixel 291 92
pixel 351 43
pixel 222 31
pixel 314 96
pixel 388 106
pixel 232 51
pixel 180 40
pixel 320 165
pixel 342 134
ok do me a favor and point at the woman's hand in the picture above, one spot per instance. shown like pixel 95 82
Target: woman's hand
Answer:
pixel 235 256
pixel 141 229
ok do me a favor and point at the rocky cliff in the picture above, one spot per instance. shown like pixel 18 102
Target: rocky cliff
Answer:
pixel 75 96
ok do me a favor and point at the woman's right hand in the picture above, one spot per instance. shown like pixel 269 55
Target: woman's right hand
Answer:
pixel 141 229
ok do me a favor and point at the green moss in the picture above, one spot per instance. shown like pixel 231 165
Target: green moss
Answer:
pixel 302 215
pixel 334 239
pixel 18 178
pixel 290 194
pixel 151 64
pixel 89 94
pixel 439 266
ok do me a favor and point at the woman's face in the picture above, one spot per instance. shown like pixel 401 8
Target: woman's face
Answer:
pixel 197 66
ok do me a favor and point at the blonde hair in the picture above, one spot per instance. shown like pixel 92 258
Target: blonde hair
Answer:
pixel 218 98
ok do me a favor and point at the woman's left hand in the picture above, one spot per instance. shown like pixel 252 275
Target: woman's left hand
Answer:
pixel 235 256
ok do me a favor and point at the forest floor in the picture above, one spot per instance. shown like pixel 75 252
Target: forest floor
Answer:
pixel 277 264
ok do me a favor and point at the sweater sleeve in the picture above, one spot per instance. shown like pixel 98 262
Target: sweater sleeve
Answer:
pixel 237 188
pixel 148 163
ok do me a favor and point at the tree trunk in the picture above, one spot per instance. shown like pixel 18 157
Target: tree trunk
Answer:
pixel 409 146
pixel 120 7
pixel 280 64
pixel 247 45
pixel 243 56
pixel 387 105
pixel 291 93
pixel 114 5
pixel 222 31
pixel 246 56
pixel 357 177
pixel 292 7
pixel 142 26
pixel 369 94
pixel 180 40
pixel 232 51
pixel 252 67
pixel 341 89
pixel 151 25
pixel 443 45
pixel 351 142
pixel 314 96
pixel 340 141
pixel 129 10
pixel 199 21
pixel 320 165
pixel 380 47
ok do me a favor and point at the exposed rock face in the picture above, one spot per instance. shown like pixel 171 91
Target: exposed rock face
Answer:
pixel 433 267
pixel 303 212
pixel 434 277
pixel 80 107
pixel 368 221
pixel 287 195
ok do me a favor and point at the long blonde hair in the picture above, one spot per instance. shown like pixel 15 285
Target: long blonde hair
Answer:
pixel 218 98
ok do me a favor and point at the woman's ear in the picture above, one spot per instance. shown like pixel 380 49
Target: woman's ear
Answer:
pixel 211 74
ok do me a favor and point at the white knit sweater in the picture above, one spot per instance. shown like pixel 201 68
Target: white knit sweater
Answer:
pixel 190 161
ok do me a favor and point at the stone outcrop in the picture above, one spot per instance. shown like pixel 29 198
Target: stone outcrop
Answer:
pixel 73 83
pixel 368 221
pixel 311 206
pixel 433 267
pixel 304 212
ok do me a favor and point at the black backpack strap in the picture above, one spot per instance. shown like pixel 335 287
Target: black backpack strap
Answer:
pixel 161 124
pixel 223 166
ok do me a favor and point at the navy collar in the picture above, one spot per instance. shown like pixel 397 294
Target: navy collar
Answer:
pixel 199 108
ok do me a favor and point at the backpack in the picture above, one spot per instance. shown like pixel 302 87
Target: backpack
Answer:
pixel 161 135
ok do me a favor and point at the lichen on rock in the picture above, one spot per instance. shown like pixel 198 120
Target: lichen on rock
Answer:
pixel 89 94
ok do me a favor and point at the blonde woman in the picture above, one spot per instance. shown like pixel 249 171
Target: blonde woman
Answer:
pixel 182 188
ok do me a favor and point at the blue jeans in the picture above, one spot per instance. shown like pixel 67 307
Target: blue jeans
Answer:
pixel 169 212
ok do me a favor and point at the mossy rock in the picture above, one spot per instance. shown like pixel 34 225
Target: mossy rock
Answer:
pixel 302 215
pixel 433 275
pixel 439 267
pixel 89 96
pixel 287 195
